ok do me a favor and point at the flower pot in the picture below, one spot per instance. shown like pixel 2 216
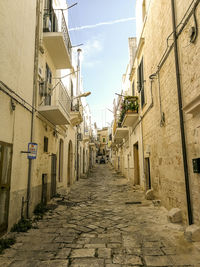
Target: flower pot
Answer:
pixel 131 111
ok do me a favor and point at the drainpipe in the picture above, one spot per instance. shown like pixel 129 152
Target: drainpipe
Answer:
pixel 35 75
pixel 77 93
pixel 187 186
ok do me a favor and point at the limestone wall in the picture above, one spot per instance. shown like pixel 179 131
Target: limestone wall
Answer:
pixel 164 141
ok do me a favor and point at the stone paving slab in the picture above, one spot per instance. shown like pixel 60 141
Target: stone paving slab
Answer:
pixel 94 226
pixel 83 253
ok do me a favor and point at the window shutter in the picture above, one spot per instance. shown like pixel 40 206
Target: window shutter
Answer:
pixel 138 80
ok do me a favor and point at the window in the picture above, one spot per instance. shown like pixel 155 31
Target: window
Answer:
pixel 45 144
pixel 72 90
pixel 140 74
pixel 72 95
pixel 133 88
pixel 49 81
pixel 48 74
pixel 143 10
pixel 48 4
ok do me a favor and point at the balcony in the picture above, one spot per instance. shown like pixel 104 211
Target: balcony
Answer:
pixel 129 111
pixel 75 115
pixel 130 119
pixel 120 133
pixel 56 106
pixel 56 38
pixel 193 107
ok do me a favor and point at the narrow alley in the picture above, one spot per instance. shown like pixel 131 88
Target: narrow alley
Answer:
pixel 103 221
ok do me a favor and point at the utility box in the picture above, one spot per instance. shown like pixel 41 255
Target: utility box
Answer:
pixel 196 165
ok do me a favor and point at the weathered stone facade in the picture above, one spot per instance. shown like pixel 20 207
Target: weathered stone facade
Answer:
pixel 158 125
pixel 36 105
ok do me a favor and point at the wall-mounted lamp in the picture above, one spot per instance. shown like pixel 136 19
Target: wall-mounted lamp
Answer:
pixel 119 94
pixel 83 95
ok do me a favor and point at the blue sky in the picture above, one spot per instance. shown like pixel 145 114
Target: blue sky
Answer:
pixel 105 49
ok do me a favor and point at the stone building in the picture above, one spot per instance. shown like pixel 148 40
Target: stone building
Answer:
pixel 40 105
pixel 103 139
pixel 162 142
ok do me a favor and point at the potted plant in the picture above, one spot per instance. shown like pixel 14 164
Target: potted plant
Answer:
pixel 131 103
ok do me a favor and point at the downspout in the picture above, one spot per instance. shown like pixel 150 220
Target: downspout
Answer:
pixel 35 73
pixel 78 103
pixel 187 186
pixel 141 124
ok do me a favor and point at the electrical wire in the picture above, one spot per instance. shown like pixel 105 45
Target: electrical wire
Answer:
pixel 185 14
pixel 8 91
pixel 195 28
pixel 169 47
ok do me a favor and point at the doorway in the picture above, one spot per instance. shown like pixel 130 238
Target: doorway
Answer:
pixel 136 164
pixel 70 164
pixel 5 174
pixel 147 173
pixel 53 175
pixel 83 160
pixel 44 189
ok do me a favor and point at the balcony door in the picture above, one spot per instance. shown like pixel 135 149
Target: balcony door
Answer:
pixel 48 4
pixel 5 174
pixel 48 78
pixel 147 173
pixel 70 164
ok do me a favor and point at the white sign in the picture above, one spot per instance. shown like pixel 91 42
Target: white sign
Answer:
pixel 32 150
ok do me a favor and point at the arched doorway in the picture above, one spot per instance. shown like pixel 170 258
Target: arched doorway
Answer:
pixel 70 164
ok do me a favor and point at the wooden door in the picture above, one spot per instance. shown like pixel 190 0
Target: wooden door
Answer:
pixel 53 175
pixel 5 174
pixel 147 173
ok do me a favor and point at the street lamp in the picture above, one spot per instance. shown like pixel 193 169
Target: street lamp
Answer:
pixel 119 94
pixel 83 95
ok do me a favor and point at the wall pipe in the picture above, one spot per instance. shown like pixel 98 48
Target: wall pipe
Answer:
pixel 184 152
pixel 35 73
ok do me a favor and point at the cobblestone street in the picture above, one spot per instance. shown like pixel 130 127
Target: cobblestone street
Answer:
pixel 103 221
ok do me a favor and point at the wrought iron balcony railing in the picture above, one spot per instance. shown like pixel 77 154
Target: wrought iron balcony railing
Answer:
pixel 54 21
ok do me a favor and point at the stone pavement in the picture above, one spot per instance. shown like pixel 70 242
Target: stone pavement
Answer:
pixel 103 221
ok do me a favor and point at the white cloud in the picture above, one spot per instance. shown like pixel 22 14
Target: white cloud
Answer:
pixel 91 64
pixel 91 50
pixel 93 46
pixel 100 24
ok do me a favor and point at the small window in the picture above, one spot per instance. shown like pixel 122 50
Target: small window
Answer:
pixel 133 89
pixel 143 9
pixel 140 82
pixel 46 144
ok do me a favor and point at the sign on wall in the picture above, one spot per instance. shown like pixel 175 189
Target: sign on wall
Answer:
pixel 32 150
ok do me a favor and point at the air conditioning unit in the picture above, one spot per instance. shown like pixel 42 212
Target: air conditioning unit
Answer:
pixel 45 88
pixel 47 24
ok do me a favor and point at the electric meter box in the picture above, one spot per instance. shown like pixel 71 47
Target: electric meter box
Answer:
pixel 196 165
